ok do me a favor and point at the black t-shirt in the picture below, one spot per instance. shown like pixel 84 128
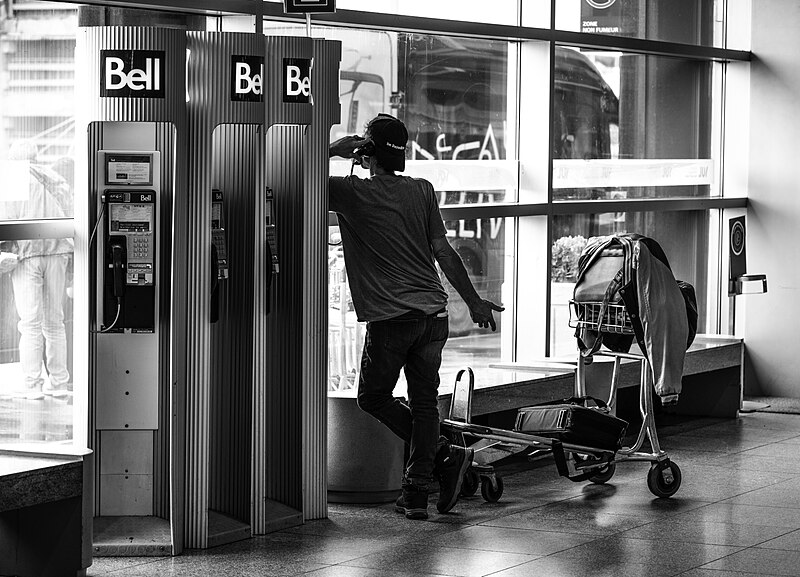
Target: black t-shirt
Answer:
pixel 387 224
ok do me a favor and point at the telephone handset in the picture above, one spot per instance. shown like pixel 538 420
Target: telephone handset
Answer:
pixel 272 264
pixel 366 149
pixel 119 262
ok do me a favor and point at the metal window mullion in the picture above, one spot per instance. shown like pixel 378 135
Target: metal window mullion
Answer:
pixel 558 208
pixel 416 24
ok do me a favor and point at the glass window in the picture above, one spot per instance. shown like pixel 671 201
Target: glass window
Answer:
pixel 684 237
pixel 36 341
pixel 37 64
pixel 684 21
pixel 454 95
pixel 631 126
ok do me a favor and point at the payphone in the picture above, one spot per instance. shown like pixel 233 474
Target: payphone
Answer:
pixel 127 249
pixel 218 234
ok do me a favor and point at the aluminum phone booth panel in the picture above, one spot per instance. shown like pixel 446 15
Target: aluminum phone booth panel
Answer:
pixel 131 126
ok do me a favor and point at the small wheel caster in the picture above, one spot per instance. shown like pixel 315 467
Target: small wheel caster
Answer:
pixel 664 479
pixel 492 489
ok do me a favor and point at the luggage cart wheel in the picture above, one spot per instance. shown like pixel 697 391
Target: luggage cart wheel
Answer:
pixel 492 489
pixel 604 474
pixel 470 484
pixel 664 479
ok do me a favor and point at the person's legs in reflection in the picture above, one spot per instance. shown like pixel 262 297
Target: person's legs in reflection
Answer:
pixel 55 335
pixel 28 281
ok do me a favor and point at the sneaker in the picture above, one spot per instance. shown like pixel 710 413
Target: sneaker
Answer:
pixel 413 502
pixel 55 392
pixel 32 394
pixel 450 470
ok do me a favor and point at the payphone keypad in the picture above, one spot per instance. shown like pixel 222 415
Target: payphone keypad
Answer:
pixel 132 215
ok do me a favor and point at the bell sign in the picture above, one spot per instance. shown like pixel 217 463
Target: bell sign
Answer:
pixel 247 78
pixel 297 80
pixel 132 73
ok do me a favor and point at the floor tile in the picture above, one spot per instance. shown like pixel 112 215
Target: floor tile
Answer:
pixel 383 521
pixel 669 554
pixel 349 571
pixel 105 565
pixel 588 523
pixel 715 444
pixel 710 483
pixel 422 558
pixel 787 542
pixel 784 494
pixel 760 561
pixel 707 532
pixel 744 514
pixel 328 550
pixel 781 449
pixel 757 463
pixel 509 540
pixel 552 567
pixel 713 573
pixel 244 566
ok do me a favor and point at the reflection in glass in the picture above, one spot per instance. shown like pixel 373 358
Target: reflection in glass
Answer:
pixel 684 21
pixel 36 159
pixel 631 126
pixel 36 342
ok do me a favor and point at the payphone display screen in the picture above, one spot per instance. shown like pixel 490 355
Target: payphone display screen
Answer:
pixel 124 169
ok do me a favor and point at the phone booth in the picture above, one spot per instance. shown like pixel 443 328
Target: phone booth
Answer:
pixel 132 125
pixel 256 348
pixel 204 253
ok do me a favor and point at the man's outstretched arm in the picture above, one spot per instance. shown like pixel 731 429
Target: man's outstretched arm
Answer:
pixel 453 268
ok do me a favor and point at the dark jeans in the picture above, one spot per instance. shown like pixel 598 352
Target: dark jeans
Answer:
pixel 416 344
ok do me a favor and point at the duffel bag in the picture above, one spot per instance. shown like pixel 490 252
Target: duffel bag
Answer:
pixel 580 421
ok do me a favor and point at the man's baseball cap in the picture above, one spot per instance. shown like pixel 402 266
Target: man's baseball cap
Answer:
pixel 389 135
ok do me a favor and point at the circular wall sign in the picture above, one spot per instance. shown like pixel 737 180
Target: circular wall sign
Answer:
pixel 600 4
pixel 737 238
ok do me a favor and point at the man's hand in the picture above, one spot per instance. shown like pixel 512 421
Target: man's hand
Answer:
pixel 345 146
pixel 481 312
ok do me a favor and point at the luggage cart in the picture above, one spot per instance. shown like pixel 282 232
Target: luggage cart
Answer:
pixel 577 462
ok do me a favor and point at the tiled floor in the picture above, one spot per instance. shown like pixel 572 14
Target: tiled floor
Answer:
pixel 737 513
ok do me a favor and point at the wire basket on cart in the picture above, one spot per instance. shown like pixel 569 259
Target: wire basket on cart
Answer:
pixel 578 462
pixel 600 317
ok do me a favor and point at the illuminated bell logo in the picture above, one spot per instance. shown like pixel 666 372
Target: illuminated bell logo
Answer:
pixel 297 80
pixel 247 78
pixel 137 73
pixel 295 85
pixel 245 83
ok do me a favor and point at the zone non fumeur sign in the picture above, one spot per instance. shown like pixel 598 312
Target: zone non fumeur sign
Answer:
pixel 132 73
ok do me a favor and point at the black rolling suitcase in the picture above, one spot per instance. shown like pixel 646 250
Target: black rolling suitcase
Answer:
pixel 572 421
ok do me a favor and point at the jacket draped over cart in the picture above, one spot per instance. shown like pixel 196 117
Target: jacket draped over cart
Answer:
pixel 654 303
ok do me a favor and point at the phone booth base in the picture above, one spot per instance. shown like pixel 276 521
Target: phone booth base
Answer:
pixel 127 536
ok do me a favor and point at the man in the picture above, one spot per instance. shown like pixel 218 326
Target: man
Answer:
pixel 392 231
pixel 39 280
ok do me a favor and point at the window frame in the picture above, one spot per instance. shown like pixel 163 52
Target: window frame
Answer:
pixel 64 228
